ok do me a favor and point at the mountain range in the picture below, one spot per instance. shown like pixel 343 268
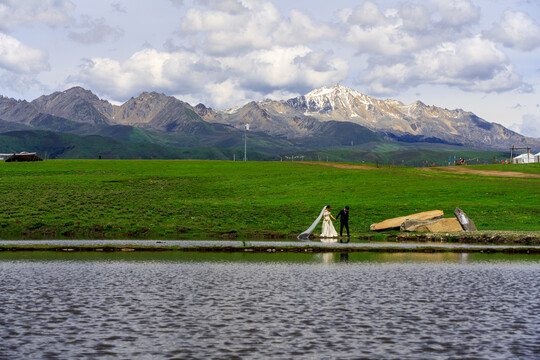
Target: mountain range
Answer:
pixel 336 117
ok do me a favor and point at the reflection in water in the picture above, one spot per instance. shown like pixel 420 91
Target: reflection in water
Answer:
pixel 424 257
pixel 329 258
pixel 194 305
pixel 334 257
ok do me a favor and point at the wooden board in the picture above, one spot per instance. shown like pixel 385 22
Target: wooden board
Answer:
pixel 395 223
pixel 436 225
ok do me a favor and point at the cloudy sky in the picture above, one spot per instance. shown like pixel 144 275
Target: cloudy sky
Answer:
pixel 479 55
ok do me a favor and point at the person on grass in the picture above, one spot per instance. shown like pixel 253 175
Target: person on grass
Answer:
pixel 343 217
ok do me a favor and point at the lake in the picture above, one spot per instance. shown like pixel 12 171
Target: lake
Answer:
pixel 188 305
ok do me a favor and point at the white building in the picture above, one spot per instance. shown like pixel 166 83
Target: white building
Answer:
pixel 537 158
pixel 524 159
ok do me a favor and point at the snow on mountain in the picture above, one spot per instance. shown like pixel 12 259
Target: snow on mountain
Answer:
pixel 390 118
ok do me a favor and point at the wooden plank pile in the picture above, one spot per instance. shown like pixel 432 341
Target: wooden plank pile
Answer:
pixel 428 221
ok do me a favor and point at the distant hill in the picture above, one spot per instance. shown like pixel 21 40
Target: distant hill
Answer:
pixel 326 118
pixel 53 145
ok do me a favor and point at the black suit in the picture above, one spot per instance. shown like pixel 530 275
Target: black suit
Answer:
pixel 343 217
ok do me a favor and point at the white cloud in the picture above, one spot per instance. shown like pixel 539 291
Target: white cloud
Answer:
pixel 232 26
pixel 226 94
pixel 50 12
pixel 458 13
pixel 372 32
pixel 226 27
pixel 516 30
pixel 19 58
pixel 197 20
pixel 301 29
pixel 502 79
pixel 415 17
pixel 262 72
pixel 94 31
pixel 17 82
pixel 367 14
pixel 530 125
pixel 144 70
pixel 387 39
pixel 407 28
pixel 283 68
pixel 20 64
pixel 472 64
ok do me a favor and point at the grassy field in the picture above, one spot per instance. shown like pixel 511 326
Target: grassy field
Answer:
pixel 167 199
pixel 404 157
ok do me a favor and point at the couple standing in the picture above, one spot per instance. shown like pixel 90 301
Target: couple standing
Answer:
pixel 328 230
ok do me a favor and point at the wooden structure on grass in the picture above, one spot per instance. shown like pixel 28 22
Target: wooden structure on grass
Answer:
pixel 523 158
pixel 23 156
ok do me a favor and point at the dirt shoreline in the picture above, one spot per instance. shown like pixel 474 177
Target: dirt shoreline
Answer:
pixel 490 237
pixel 272 249
pixel 485 237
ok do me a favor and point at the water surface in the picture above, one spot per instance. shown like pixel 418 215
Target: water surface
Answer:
pixel 280 306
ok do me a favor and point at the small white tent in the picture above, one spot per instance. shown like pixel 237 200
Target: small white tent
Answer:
pixel 537 158
pixel 523 159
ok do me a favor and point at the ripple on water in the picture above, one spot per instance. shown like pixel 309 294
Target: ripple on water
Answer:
pixel 201 309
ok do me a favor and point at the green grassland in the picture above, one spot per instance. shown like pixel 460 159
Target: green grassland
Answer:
pixel 400 156
pixel 170 199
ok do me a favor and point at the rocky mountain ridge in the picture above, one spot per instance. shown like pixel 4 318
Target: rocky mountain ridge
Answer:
pixel 391 119
pixel 333 117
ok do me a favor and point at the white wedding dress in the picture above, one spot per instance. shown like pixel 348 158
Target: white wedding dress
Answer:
pixel 329 233
pixel 328 230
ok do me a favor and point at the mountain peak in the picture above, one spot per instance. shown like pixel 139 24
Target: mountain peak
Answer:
pixel 336 90
pixel 152 94
pixel 80 92
pixel 336 98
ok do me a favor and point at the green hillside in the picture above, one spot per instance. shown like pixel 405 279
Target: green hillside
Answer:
pixel 53 145
pixel 127 142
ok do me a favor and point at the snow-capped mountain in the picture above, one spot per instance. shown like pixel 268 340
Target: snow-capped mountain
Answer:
pixel 392 119
pixel 338 99
pixel 325 117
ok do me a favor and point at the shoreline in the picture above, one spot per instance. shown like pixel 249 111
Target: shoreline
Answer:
pixel 254 246
pixel 485 237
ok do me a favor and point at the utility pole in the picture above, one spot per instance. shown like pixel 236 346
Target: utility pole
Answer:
pixel 245 141
pixel 515 148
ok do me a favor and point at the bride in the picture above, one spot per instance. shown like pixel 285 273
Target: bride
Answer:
pixel 328 229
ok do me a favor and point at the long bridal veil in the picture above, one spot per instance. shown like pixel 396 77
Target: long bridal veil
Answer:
pixel 305 234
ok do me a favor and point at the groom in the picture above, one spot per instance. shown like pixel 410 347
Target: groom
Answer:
pixel 343 216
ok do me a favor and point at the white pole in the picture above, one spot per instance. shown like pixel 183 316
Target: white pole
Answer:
pixel 245 144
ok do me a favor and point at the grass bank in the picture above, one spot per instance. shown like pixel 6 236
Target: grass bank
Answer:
pixel 113 199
